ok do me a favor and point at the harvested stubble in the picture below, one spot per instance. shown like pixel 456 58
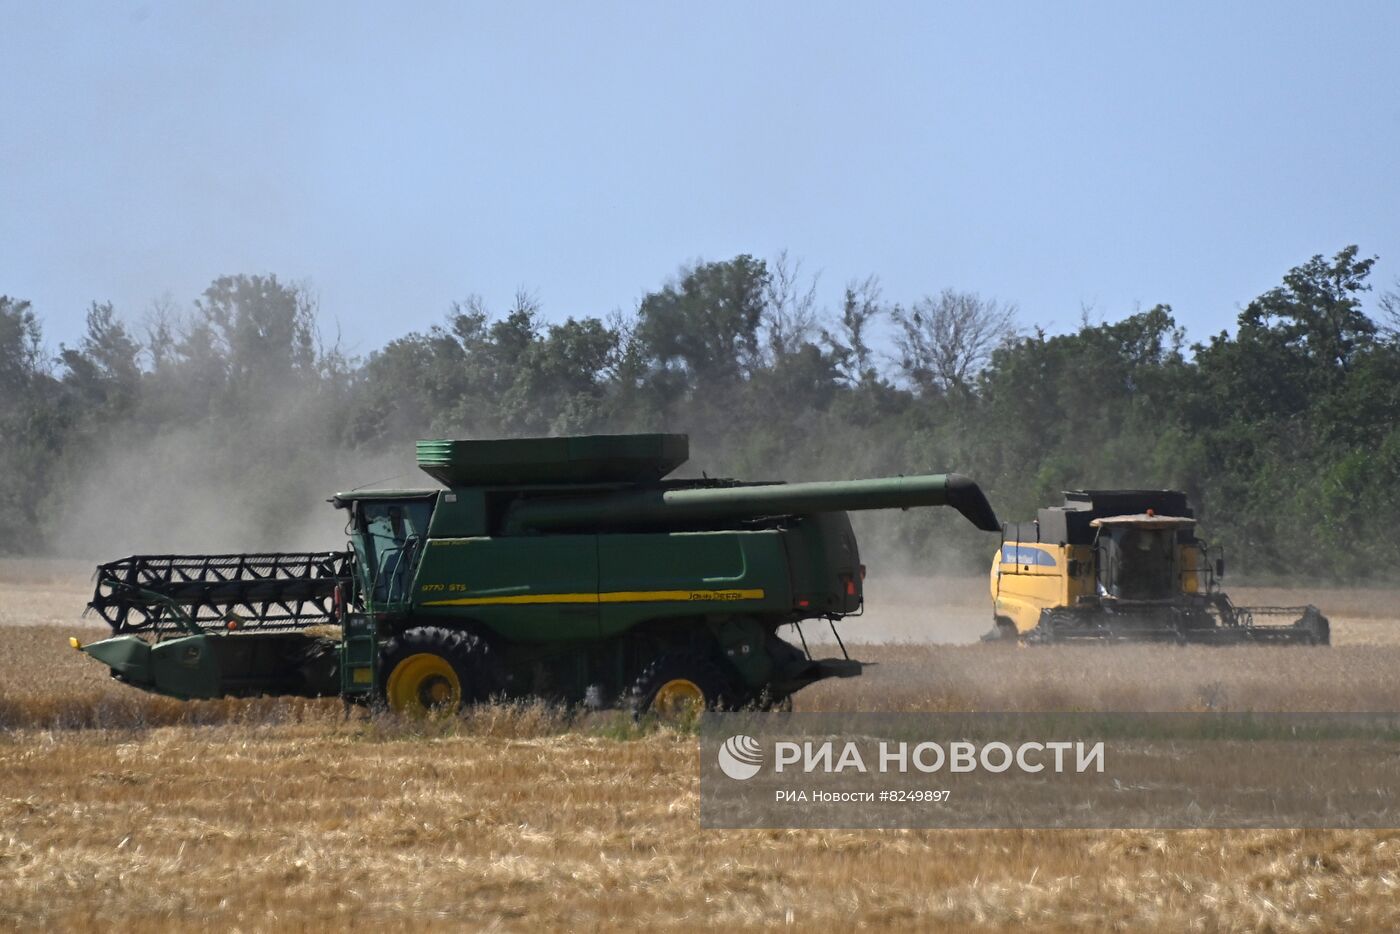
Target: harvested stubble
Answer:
pixel 122 811
pixel 502 820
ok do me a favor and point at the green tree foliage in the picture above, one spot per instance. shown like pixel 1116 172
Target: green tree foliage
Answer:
pixel 702 333
pixel 1085 409
pixel 1295 420
pixel 945 341
pixel 103 374
pixel 20 355
pixel 31 428
pixel 1286 432
pixel 265 330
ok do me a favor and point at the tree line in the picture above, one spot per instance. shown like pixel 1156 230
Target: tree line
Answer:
pixel 1285 433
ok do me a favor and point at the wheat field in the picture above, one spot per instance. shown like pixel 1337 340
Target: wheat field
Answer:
pixel 120 811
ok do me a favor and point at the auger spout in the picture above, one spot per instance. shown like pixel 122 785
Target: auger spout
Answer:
pixel 659 507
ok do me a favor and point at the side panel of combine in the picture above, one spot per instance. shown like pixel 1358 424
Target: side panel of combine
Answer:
pixel 649 576
pixel 825 564
pixel 528 588
pixel 1081 582
pixel 1027 579
pixel 1195 569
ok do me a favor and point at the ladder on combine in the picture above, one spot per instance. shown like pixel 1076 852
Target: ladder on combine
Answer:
pixel 266 592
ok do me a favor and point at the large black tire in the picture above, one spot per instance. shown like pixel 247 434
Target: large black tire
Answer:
pixel 781 705
pixel 1003 630
pixel 1049 628
pixel 679 685
pixel 1317 626
pixel 420 665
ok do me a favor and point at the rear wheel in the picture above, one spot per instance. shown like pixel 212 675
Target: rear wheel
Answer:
pixel 431 669
pixel 678 686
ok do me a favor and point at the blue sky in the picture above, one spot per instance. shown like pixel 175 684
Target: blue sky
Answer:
pixel 1058 156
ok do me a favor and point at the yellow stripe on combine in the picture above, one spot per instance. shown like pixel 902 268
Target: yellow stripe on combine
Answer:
pixel 517 599
pixel 614 596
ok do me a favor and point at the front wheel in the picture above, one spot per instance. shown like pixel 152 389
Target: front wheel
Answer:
pixel 434 669
pixel 1003 630
pixel 1319 630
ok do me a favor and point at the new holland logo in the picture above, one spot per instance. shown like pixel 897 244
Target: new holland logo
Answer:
pixel 740 757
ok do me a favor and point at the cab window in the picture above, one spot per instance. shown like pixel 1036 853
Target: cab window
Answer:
pixel 1024 555
pixel 394 531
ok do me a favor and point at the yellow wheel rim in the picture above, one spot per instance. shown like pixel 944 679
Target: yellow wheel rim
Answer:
pixel 422 683
pixel 678 698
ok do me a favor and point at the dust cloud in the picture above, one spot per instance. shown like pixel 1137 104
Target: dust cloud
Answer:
pixel 193 491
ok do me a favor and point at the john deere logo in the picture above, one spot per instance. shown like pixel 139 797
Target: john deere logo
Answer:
pixel 740 757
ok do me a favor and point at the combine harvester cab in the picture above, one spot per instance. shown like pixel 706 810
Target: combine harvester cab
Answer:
pixel 564 568
pixel 1126 565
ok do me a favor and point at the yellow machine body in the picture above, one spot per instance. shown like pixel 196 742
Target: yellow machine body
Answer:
pixel 1126 565
pixel 1031 577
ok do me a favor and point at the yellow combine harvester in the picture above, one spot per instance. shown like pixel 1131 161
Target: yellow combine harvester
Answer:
pixel 1126 565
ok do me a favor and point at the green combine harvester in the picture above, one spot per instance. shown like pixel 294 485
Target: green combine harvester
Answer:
pixel 563 568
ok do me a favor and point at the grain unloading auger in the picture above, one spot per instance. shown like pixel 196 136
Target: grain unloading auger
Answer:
pixel 1127 566
pixel 566 568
